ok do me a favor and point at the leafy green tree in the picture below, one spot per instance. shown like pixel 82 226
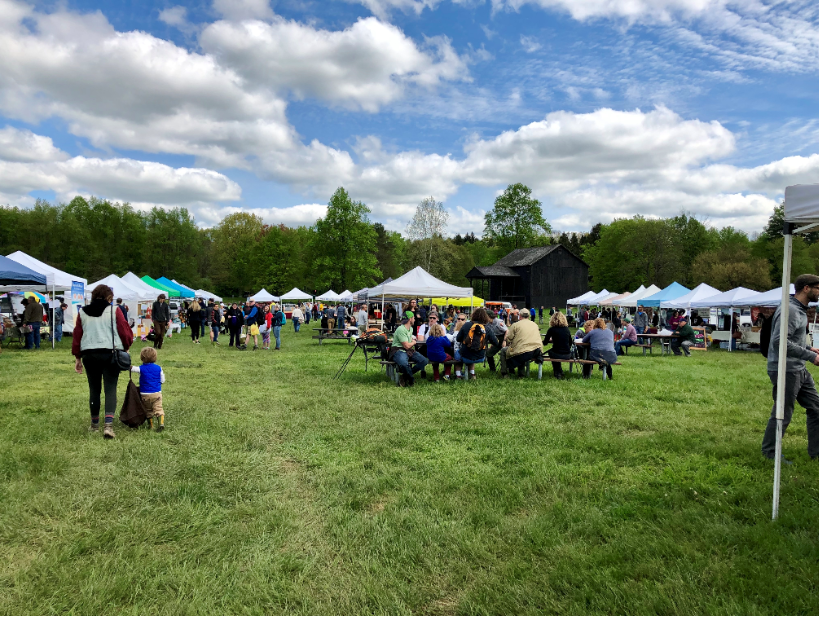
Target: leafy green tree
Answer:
pixel 390 252
pixel 516 220
pixel 450 261
pixel 344 245
pixel 693 238
pixel 235 246
pixel 633 252
pixel 729 267
pixel 171 244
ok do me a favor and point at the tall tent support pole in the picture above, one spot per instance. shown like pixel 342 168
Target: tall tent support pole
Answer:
pixel 53 300
pixel 731 331
pixel 784 309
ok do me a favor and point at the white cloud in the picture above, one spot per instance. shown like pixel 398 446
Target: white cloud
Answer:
pixel 293 216
pixel 364 66
pixel 176 16
pixel 243 9
pixel 529 43
pixel 25 146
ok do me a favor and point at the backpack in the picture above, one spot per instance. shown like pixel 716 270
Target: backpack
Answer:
pixel 475 339
pixel 373 335
pixel 279 319
pixel 765 335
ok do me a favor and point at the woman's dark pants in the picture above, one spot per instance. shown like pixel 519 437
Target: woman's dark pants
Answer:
pixel 101 372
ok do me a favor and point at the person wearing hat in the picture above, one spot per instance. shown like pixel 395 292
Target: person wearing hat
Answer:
pixel 686 337
pixel 799 384
pixel 629 338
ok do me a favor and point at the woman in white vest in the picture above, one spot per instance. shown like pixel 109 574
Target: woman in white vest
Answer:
pixel 100 328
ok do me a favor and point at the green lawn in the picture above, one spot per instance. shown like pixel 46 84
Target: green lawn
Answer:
pixel 277 490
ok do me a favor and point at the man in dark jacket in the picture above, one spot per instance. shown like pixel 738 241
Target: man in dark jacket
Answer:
pixel 799 384
pixel 686 337
pixel 33 317
pixel 122 307
pixel 161 315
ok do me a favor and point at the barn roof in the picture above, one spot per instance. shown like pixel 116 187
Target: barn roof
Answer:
pixel 493 271
pixel 526 257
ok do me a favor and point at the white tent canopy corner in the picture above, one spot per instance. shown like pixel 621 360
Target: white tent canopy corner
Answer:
pixel 633 300
pixel 201 293
pixel 328 296
pixel 685 301
pixel 732 297
pixel 263 296
pixel 296 294
pixel 346 296
pixel 121 289
pixel 581 298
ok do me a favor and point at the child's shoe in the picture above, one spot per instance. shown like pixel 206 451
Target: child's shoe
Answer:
pixel 108 431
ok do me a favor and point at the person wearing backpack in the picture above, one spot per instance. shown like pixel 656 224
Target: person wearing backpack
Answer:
pixel 474 336
pixel 799 384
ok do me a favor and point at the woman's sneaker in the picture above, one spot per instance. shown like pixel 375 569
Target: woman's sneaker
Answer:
pixel 108 432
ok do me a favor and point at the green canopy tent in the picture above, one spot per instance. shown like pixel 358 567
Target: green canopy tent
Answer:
pixel 172 293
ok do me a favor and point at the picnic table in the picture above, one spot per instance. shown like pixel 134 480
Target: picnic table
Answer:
pixel 337 334
pixel 665 340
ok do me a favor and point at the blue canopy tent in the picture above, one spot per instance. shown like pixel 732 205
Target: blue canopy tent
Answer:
pixel 13 274
pixel 672 292
pixel 187 289
pixel 184 292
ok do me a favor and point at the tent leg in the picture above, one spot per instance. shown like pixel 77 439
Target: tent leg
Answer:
pixel 53 300
pixel 784 309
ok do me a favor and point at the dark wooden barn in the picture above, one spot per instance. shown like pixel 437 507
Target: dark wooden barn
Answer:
pixel 540 276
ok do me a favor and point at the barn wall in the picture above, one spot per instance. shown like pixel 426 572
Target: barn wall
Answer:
pixel 556 278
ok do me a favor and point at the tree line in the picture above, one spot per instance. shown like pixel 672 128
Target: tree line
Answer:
pixel 345 250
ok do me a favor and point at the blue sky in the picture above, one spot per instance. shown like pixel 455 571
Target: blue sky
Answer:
pixel 606 108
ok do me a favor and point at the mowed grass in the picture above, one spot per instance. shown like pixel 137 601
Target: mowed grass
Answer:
pixel 277 490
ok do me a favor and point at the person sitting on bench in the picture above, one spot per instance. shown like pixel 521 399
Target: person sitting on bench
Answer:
pixel 687 337
pixel 438 346
pixel 402 353
pixel 629 338
pixel 560 337
pixel 521 346
pixel 601 342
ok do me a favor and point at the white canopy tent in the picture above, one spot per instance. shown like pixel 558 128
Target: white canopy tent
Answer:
pixel 727 299
pixel 585 296
pixel 329 296
pixel 685 302
pixel 633 300
pixel 615 299
pixel 418 283
pixel 346 296
pixel 122 289
pixel 296 294
pixel 134 282
pixel 592 300
pixel 56 279
pixel 801 208
pixel 769 298
pixel 263 296
pixel 207 295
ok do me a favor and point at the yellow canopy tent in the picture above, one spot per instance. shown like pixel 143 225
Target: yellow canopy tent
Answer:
pixel 473 301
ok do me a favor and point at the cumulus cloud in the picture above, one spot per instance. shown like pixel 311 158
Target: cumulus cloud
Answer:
pixel 364 66
pixel 529 43
pixel 24 146
pixel 176 16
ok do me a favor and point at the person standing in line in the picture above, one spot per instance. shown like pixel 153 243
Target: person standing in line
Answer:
pixel 278 321
pixel 252 319
pixel 33 317
pixel 307 313
pixel 235 320
pixel 99 328
pixel 266 326
pixel 799 385
pixel 59 321
pixel 331 317
pixel 640 322
pixel 361 319
pixel 124 308
pixel 540 314
pixel 161 315
pixel 341 316
pixel 195 320
pixel 297 316
pixel 215 321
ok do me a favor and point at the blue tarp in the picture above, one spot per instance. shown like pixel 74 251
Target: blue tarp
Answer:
pixel 672 292
pixel 12 273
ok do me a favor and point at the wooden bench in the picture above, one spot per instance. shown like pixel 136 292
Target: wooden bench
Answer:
pixel 571 362
pixel 644 347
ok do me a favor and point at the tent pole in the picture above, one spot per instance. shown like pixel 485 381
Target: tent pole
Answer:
pixel 784 309
pixel 731 331
pixel 53 300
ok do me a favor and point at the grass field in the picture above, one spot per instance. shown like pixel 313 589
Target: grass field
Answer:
pixel 277 490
